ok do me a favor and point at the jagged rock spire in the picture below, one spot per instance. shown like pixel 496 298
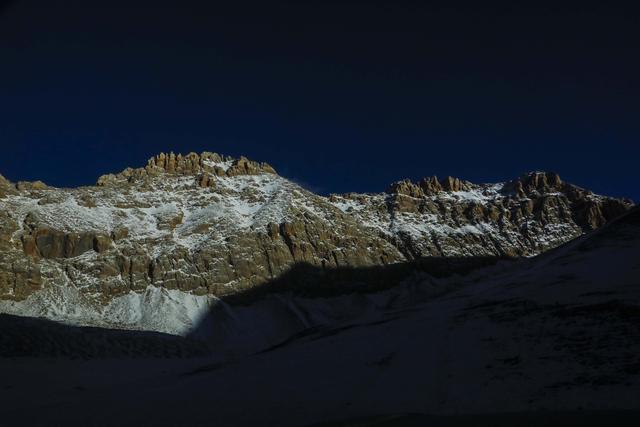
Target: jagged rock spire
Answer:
pixel 5 187
pixel 428 186
pixel 203 166
pixel 537 182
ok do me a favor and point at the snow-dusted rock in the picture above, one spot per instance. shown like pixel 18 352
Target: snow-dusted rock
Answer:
pixel 201 226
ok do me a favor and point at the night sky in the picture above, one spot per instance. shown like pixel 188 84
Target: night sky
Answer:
pixel 338 96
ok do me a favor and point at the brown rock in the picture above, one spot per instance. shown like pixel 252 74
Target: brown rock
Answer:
pixel 21 280
pixel 86 201
pixel 6 187
pixel 189 164
pixel 119 233
pixel 49 243
pixel 101 243
pixel 454 184
pixel 31 185
pixel 170 222
pixel 244 166
pixel 538 183
pixel 406 188
pixel 430 185
pixel 106 180
pixel 207 181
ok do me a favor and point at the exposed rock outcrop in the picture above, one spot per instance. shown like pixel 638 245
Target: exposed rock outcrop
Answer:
pixel 405 188
pixel 31 185
pixel 430 185
pixel 6 187
pixel 537 183
pixel 203 165
pixel 454 217
pixel 588 210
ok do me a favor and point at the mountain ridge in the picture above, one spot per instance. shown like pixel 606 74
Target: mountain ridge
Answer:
pixel 185 230
pixel 208 162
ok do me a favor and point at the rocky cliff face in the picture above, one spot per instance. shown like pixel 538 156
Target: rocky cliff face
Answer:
pixel 193 227
pixel 522 217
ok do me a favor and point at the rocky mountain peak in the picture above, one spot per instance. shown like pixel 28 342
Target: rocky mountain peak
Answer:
pixel 6 186
pixel 405 187
pixel 536 183
pixel 532 183
pixel 429 186
pixel 202 166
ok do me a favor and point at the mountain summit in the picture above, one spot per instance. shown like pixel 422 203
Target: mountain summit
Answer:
pixel 201 165
pixel 153 247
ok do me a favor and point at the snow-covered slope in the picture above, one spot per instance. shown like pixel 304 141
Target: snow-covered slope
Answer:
pixel 557 332
pixel 594 278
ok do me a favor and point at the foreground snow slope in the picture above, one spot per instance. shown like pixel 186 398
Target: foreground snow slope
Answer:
pixel 559 332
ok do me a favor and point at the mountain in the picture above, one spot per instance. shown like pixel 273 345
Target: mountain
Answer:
pixel 538 340
pixel 156 247
pixel 539 337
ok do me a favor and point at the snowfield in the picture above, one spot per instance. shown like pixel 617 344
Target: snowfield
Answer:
pixel 554 333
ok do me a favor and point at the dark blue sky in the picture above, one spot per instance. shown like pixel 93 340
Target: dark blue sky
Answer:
pixel 340 96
